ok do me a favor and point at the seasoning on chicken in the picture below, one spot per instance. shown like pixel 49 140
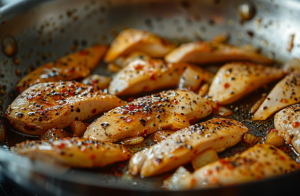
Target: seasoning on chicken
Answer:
pixel 180 147
pixel 74 66
pixel 73 152
pixel 97 81
pixel 145 115
pixel 287 122
pixel 259 162
pixel 133 40
pixel 213 52
pixel 237 79
pixel 146 76
pixel 285 93
pixel 56 105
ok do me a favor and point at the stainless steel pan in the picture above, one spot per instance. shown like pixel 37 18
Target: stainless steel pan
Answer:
pixel 42 31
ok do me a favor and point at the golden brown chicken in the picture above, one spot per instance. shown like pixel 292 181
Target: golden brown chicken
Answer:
pixel 180 147
pixel 145 115
pixel 213 52
pixel 285 93
pixel 133 40
pixel 74 66
pixel 287 122
pixel 237 79
pixel 56 105
pixel 259 162
pixel 142 76
pixel 73 152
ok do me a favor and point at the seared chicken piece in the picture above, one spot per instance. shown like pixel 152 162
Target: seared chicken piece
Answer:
pixel 73 152
pixel 145 76
pixel 97 81
pixel 145 115
pixel 180 147
pixel 235 80
pixel 74 66
pixel 131 40
pixel 285 93
pixel 56 105
pixel 287 122
pixel 259 162
pixel 213 52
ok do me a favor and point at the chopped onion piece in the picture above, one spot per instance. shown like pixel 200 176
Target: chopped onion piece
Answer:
pixel 55 134
pixel 203 89
pixel 222 111
pixel 191 78
pixel 172 181
pixel 250 139
pixel 78 128
pixel 204 158
pixel 132 140
pixel 274 139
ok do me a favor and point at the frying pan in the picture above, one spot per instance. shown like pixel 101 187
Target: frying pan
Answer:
pixel 42 31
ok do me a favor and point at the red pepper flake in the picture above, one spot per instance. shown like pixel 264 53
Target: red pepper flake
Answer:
pixel 207 172
pixel 86 124
pixel 226 85
pixel 131 107
pixel 269 130
pixel 175 101
pixel 19 90
pixel 61 146
pixel 119 129
pixel 92 156
pixel 27 127
pixel 282 158
pixel 83 52
pixel 193 182
pixel 138 66
pixel 94 110
pixel 295 124
pixel 152 77
pixel 221 137
pixel 283 101
pixel 121 165
pixel 128 120
pixel 131 99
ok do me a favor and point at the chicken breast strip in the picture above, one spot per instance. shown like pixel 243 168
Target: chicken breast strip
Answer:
pixel 73 66
pixel 287 122
pixel 133 40
pixel 73 152
pixel 213 52
pixel 285 93
pixel 237 79
pixel 180 147
pixel 56 105
pixel 149 75
pixel 259 162
pixel 145 115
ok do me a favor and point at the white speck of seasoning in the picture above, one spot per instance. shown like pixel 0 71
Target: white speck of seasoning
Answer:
pixel 148 118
